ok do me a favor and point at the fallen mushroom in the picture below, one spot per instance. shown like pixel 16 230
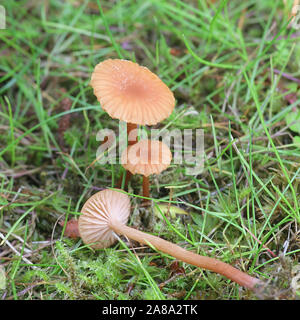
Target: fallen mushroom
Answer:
pixel 146 157
pixel 131 93
pixel 106 213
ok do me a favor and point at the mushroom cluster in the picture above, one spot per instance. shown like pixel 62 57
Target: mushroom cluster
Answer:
pixel 104 216
pixel 132 93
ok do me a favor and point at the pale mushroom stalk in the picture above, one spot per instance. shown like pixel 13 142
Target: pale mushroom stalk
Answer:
pixel 181 254
pixel 106 213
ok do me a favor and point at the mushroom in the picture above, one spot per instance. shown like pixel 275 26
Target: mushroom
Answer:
pixel 105 214
pixel 146 157
pixel 131 93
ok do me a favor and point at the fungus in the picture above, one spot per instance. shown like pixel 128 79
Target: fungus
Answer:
pixel 131 93
pixel 105 214
pixel 146 157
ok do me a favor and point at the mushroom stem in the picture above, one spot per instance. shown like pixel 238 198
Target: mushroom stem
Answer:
pixel 130 127
pixel 146 189
pixel 179 253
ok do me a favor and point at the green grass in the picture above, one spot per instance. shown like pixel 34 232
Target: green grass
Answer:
pixel 227 63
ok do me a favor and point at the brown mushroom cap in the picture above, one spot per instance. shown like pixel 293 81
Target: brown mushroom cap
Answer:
pixel 98 213
pixel 146 157
pixel 131 93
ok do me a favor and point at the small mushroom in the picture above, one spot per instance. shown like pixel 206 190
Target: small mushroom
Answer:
pixel 106 213
pixel 146 157
pixel 131 93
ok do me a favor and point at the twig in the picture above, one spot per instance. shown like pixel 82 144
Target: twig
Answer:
pixel 16 251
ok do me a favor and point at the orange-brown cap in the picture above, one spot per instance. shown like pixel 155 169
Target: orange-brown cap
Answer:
pixel 98 213
pixel 131 93
pixel 146 157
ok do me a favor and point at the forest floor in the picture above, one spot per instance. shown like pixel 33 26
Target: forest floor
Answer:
pixel 234 69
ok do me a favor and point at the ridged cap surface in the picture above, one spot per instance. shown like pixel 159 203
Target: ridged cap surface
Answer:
pixel 98 213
